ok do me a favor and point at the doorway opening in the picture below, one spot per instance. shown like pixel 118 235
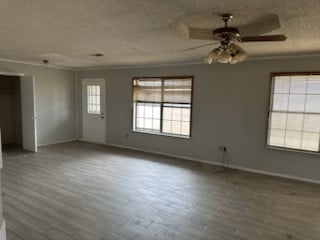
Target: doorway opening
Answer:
pixel 17 112
pixel 10 112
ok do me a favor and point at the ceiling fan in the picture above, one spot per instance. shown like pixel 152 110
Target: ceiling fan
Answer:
pixel 229 50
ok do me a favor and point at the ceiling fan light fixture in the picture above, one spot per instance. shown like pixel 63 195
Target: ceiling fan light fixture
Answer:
pixel 240 56
pixel 233 60
pixel 213 56
pixel 231 53
pixel 230 38
pixel 225 56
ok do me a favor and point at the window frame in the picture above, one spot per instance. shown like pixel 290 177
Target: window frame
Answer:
pixel 271 91
pixel 161 133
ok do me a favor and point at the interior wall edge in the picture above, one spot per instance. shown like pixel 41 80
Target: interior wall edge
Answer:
pixel 3 235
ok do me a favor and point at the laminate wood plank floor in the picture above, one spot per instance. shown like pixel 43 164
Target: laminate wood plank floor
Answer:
pixel 84 191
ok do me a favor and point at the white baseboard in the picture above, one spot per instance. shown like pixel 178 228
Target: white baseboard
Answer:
pixel 62 141
pixel 3 235
pixel 231 166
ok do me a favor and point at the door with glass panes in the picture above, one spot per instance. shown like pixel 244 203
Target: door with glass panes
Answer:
pixel 93 110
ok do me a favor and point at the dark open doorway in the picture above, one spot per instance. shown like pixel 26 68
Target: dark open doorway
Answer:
pixel 10 112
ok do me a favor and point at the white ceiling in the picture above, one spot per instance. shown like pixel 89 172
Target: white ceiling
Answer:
pixel 142 32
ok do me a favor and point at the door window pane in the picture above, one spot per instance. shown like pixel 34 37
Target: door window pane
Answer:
pixel 93 99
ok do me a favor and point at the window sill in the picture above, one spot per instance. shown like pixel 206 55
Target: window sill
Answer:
pixel 162 134
pixel 293 150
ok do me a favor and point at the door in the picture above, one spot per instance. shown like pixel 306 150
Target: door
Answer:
pixel 29 121
pixel 93 110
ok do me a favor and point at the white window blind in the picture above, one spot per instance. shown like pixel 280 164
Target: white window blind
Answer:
pixel 163 90
pixel 162 105
pixel 294 117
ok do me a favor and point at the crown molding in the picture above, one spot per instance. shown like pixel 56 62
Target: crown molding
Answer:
pixel 249 59
pixel 35 64
pixel 138 66
pixel 262 58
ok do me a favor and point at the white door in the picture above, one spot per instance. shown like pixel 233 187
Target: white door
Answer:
pixel 93 110
pixel 29 121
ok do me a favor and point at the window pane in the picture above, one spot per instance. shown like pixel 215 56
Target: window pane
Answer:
pixel 310 141
pixel 140 123
pixel 140 110
pixel 276 137
pixel 293 139
pixel 148 123
pixel 90 99
pixel 295 121
pixel 296 103
pixel 148 111
pixel 312 123
pixel 185 128
pixel 298 84
pixel 145 116
pixel 176 114
pixel 167 113
pixel 93 99
pixel 186 114
pixel 278 120
pixel 314 86
pixel 166 128
pixel 282 85
pixel 313 104
pixel 156 112
pixel 280 102
pixel 176 127
pixel 156 124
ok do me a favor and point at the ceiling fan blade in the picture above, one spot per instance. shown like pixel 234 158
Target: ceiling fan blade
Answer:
pixel 267 23
pixel 201 46
pixel 266 38
pixel 202 34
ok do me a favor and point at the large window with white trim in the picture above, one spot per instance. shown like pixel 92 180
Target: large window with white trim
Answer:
pixel 294 115
pixel 162 105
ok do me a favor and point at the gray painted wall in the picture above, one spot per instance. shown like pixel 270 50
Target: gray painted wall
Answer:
pixel 230 108
pixel 55 100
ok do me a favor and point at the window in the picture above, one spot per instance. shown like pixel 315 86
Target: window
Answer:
pixel 93 99
pixel 294 117
pixel 162 105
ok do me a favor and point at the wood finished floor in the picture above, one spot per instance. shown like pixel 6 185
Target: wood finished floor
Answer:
pixel 83 191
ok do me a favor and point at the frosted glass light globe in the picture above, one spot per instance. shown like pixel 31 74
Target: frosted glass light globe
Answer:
pixel 234 60
pixel 225 57
pixel 213 56
pixel 240 56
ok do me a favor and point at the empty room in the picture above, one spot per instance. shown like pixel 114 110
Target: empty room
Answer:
pixel 159 120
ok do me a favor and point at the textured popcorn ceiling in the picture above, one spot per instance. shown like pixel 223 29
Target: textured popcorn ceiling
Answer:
pixel 142 32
